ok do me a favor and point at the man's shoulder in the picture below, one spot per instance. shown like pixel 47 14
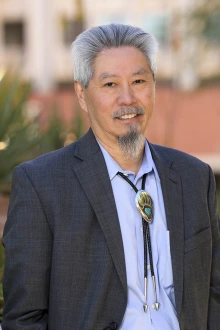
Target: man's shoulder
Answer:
pixel 176 158
pixel 54 160
pixel 63 159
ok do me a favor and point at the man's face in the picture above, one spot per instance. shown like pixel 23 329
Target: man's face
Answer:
pixel 121 87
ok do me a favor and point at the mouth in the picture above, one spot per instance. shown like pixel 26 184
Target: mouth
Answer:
pixel 128 113
pixel 127 116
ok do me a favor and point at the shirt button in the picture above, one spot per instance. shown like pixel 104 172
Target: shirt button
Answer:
pixel 113 326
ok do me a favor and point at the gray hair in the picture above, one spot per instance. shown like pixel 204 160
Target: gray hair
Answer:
pixel 91 42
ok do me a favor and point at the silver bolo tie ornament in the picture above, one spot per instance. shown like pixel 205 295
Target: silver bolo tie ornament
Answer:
pixel 144 205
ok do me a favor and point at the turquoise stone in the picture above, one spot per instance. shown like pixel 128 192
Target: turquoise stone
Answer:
pixel 147 210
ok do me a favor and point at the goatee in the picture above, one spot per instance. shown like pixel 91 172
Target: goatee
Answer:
pixel 132 143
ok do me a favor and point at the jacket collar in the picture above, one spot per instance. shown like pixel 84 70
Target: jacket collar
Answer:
pixel 90 171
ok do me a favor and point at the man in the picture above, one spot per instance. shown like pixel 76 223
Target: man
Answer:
pixel 112 232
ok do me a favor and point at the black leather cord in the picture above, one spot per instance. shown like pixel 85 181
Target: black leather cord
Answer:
pixel 129 181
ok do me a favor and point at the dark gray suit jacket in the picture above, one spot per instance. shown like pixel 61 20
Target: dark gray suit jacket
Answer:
pixel 65 265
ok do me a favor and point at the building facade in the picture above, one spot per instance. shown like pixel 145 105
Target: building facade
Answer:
pixel 35 36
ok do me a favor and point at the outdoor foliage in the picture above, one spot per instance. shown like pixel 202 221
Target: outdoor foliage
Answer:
pixel 18 136
pixel 21 135
pixel 58 134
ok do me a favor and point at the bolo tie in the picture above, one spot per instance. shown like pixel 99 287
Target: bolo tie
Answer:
pixel 145 206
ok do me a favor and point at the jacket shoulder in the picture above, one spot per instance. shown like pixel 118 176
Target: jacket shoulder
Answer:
pixel 177 157
pixel 58 159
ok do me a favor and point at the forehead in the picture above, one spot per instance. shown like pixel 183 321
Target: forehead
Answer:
pixel 120 60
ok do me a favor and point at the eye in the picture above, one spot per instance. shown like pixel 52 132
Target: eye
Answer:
pixel 110 84
pixel 138 81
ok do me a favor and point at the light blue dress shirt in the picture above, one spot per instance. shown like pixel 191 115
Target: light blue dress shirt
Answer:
pixel 132 234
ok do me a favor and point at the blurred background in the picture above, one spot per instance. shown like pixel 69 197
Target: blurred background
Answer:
pixel 38 107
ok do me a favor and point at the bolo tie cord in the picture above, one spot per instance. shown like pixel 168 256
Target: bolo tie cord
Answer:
pixel 147 246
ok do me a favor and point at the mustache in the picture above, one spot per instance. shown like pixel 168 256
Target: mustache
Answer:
pixel 128 111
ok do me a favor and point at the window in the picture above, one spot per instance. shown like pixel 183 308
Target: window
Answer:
pixel 13 33
pixel 157 25
pixel 72 28
pixel 212 27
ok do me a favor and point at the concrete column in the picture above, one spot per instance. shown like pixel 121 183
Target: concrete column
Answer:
pixel 41 29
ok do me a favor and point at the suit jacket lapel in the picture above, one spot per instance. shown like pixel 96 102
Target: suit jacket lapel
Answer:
pixel 172 195
pixel 93 176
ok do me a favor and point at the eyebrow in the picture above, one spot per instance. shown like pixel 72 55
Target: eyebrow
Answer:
pixel 140 71
pixel 107 75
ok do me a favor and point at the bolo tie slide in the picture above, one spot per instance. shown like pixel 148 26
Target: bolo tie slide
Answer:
pixel 145 206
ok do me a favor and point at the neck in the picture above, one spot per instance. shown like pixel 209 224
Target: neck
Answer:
pixel 127 164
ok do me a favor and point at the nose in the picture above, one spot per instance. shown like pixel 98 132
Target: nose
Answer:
pixel 126 96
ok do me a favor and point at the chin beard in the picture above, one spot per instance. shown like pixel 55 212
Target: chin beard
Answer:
pixel 131 143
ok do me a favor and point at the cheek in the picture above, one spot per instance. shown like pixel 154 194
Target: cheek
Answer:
pixel 148 101
pixel 98 112
pixel 104 107
pixel 103 101
pixel 151 107
pixel 151 94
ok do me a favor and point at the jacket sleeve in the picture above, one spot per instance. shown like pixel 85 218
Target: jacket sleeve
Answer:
pixel 214 299
pixel 27 240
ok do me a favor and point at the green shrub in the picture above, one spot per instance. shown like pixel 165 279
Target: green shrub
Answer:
pixel 21 135
pixel 18 135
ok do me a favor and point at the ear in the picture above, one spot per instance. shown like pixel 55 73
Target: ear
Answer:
pixel 80 92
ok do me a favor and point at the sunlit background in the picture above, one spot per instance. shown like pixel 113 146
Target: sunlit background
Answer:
pixel 38 107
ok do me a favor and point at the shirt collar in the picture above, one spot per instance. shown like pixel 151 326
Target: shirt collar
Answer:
pixel 146 167
pixel 112 165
